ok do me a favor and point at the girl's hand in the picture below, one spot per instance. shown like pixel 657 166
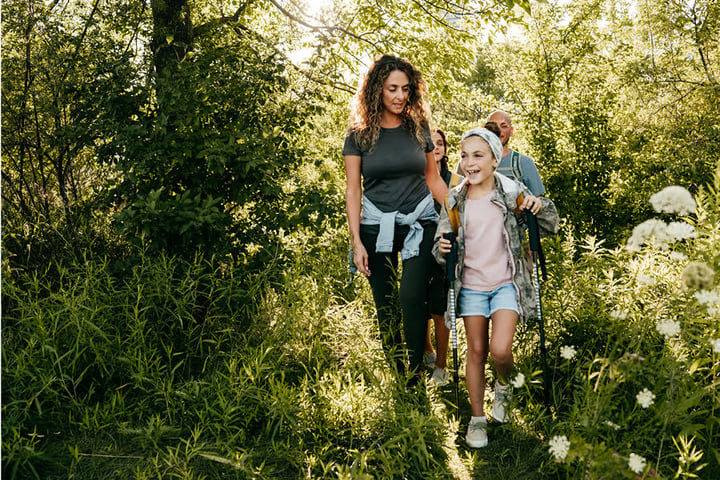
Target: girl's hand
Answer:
pixel 360 259
pixel 531 203
pixel 444 245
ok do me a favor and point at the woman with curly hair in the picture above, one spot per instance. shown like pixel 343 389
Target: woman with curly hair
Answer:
pixel 390 174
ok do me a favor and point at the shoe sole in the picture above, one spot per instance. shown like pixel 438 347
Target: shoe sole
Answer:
pixel 500 420
pixel 476 444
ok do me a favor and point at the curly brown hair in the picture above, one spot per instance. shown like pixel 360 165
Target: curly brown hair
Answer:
pixel 367 106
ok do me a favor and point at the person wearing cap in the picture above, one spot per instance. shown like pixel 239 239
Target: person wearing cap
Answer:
pixel 493 279
pixel 514 164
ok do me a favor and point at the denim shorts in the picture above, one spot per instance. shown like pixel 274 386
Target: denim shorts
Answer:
pixel 484 304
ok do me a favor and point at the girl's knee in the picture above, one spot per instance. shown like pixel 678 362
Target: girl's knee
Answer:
pixel 502 356
pixel 477 354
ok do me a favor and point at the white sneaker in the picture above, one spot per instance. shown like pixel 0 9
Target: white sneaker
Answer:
pixel 429 359
pixel 501 405
pixel 477 433
pixel 440 377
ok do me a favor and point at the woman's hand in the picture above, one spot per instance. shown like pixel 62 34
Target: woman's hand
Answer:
pixel 444 245
pixel 360 259
pixel 531 203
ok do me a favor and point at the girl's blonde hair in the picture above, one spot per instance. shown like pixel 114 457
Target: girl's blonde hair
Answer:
pixel 367 106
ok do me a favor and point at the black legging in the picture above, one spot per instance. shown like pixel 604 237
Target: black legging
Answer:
pixel 412 296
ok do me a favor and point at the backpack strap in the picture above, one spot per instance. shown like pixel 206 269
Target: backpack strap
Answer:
pixel 515 166
pixel 454 217
pixel 453 214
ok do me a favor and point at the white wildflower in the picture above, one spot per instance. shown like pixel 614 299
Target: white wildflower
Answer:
pixel 650 230
pixel 715 342
pixel 645 398
pixel 518 381
pixel 714 311
pixel 680 231
pixel 668 327
pixel 612 425
pixel 673 199
pixel 645 279
pixel 636 463
pixel 618 315
pixel 708 297
pixel 568 352
pixel 559 446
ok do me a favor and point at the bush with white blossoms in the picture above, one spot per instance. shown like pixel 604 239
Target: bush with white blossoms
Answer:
pixel 637 463
pixel 645 398
pixel 568 352
pixel 673 199
pixel 650 345
pixel 559 447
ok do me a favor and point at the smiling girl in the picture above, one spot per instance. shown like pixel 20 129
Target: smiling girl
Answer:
pixel 492 275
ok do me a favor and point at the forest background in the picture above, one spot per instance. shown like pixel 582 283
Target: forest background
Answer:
pixel 175 292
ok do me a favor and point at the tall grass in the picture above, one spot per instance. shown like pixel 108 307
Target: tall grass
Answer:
pixel 169 368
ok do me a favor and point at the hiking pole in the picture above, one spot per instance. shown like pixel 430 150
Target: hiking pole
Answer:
pixel 450 261
pixel 539 264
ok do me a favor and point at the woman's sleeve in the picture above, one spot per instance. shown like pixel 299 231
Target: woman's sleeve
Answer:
pixel 350 146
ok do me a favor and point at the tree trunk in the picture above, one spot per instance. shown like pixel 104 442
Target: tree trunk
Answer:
pixel 171 40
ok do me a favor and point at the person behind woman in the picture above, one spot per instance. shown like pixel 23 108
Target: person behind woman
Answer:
pixel 492 275
pixel 390 174
pixel 438 288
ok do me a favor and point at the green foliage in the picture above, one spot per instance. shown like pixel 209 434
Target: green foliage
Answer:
pixel 157 371
pixel 613 105
pixel 95 339
pixel 204 169
pixel 57 77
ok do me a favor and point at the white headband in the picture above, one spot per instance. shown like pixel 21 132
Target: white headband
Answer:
pixel 489 137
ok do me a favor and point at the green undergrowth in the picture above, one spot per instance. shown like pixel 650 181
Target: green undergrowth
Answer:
pixel 195 369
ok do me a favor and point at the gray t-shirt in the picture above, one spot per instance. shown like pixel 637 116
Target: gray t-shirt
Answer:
pixel 528 170
pixel 394 171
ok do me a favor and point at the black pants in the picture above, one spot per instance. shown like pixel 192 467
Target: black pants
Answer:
pixel 408 302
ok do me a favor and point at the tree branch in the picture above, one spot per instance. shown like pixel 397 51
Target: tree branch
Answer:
pixel 201 30
pixel 305 73
pixel 321 28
